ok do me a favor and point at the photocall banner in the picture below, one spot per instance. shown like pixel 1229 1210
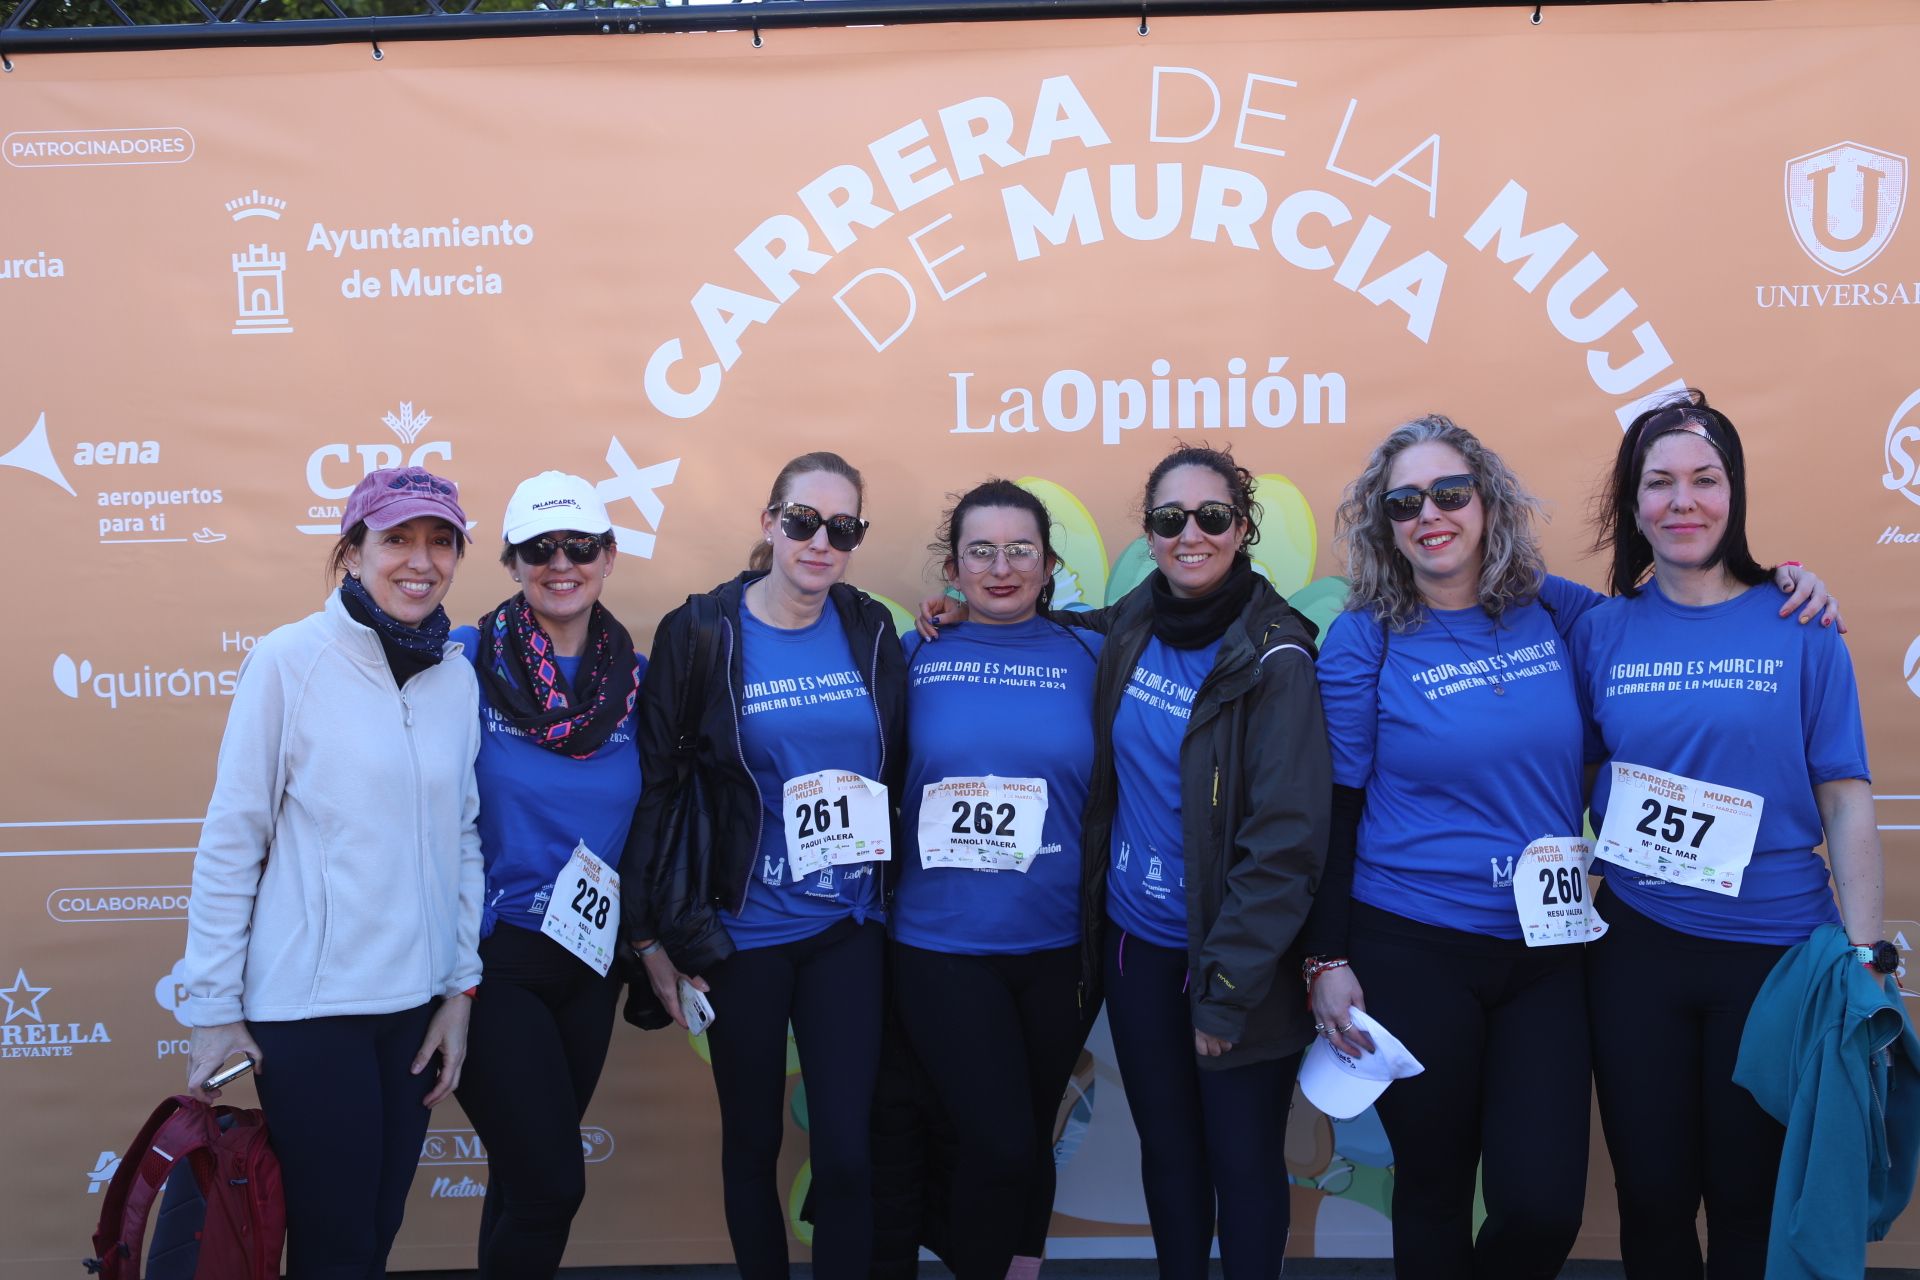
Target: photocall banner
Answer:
pixel 234 281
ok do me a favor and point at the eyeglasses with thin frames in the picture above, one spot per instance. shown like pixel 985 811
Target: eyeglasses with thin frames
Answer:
pixel 979 557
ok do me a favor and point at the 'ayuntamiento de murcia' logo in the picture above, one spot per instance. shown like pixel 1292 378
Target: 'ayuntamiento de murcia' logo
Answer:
pixel 1844 203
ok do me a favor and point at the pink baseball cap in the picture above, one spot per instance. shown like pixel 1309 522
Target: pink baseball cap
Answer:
pixel 395 495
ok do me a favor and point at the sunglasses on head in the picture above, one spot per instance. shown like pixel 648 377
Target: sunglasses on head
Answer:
pixel 1449 493
pixel 800 523
pixel 581 548
pixel 1170 521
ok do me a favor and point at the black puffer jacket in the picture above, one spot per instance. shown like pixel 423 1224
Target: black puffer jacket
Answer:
pixel 677 902
pixel 1254 784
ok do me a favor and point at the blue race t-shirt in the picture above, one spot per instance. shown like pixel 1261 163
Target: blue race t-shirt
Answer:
pixel 1736 695
pixel 806 707
pixel 536 804
pixel 1146 867
pixel 1467 737
pixel 1012 701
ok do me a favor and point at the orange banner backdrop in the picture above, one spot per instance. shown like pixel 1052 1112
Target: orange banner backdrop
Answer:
pixel 231 282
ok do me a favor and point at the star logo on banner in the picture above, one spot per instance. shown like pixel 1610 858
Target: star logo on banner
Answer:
pixel 23 998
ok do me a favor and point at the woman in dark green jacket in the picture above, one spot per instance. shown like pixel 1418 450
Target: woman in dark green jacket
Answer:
pixel 1206 831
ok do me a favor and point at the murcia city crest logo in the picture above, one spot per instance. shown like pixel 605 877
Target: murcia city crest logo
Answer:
pixel 1844 202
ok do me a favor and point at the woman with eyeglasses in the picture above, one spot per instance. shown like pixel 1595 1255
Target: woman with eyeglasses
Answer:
pixel 1205 832
pixel 797 726
pixel 1432 917
pixel 1732 748
pixel 986 918
pixel 559 776
pixel 335 914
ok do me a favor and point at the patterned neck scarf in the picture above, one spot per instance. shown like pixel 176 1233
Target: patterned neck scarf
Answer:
pixel 525 684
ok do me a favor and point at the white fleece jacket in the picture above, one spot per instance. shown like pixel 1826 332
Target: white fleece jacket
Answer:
pixel 339 870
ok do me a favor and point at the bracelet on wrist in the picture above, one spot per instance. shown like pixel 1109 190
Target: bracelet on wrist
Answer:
pixel 648 949
pixel 1313 966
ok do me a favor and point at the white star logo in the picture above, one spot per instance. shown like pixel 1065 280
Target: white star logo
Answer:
pixel 23 998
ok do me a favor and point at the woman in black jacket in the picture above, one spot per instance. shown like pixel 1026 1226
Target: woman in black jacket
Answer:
pixel 794 717
pixel 1205 834
pixel 1206 831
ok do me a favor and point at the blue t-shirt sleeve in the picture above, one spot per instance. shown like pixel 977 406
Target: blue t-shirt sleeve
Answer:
pixel 1567 601
pixel 1830 709
pixel 1349 669
pixel 1092 642
pixel 1581 641
pixel 910 644
pixel 469 640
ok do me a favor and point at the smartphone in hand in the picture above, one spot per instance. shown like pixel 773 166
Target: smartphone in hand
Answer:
pixel 697 1008
pixel 229 1073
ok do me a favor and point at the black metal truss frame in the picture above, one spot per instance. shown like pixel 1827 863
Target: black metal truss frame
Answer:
pixel 240 22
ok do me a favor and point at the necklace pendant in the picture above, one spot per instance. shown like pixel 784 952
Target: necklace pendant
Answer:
pixel 1500 690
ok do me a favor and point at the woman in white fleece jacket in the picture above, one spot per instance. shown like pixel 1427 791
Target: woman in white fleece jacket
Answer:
pixel 335 915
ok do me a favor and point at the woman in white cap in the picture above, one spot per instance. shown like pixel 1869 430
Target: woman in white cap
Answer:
pixel 559 775
pixel 345 961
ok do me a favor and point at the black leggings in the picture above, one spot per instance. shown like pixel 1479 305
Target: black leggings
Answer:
pixel 1668 1009
pixel 1502 1031
pixel 344 1108
pixel 999 1036
pixel 1210 1139
pixel 829 987
pixel 535 1045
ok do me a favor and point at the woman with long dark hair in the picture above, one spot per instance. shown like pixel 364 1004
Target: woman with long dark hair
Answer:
pixel 1732 748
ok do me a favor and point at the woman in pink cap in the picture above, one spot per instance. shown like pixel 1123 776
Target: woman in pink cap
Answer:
pixel 335 918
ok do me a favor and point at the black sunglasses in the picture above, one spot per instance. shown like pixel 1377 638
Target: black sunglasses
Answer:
pixel 1170 520
pixel 800 523
pixel 1449 493
pixel 581 548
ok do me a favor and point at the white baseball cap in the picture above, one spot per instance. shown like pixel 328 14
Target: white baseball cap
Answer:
pixel 551 502
pixel 1344 1086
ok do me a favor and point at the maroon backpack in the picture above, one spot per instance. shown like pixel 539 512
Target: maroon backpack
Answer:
pixel 226 1151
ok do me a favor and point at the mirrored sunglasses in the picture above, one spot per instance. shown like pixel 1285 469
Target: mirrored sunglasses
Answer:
pixel 581 548
pixel 800 523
